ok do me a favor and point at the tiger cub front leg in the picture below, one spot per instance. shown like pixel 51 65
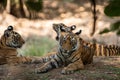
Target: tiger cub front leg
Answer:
pixel 44 59
pixel 73 67
pixel 47 66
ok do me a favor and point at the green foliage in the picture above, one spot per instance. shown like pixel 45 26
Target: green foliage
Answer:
pixel 118 32
pixel 3 2
pixel 113 9
pixel 106 30
pixel 36 46
pixel 35 5
pixel 113 27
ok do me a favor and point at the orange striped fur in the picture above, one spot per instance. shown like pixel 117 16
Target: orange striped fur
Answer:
pixel 9 42
pixel 73 52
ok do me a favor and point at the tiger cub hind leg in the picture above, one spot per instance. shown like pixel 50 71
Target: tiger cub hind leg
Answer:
pixel 72 67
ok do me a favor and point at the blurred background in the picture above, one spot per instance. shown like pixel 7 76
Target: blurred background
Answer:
pixel 33 19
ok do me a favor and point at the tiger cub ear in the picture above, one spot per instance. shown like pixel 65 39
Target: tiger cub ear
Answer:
pixel 79 32
pixel 62 28
pixel 7 31
pixel 10 28
pixel 73 27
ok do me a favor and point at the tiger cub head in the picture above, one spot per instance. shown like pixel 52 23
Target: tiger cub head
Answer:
pixel 11 39
pixel 69 42
pixel 60 27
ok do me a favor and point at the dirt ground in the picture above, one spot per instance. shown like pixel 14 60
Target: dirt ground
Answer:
pixel 103 68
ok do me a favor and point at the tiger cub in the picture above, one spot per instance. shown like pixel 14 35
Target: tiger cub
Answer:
pixel 9 42
pixel 100 50
pixel 72 54
pixel 68 55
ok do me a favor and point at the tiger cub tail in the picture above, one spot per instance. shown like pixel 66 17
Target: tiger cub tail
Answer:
pixel 107 50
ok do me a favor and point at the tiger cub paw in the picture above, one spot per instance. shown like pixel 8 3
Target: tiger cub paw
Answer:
pixel 67 71
pixel 35 61
pixel 40 70
pixel 32 60
pixel 26 60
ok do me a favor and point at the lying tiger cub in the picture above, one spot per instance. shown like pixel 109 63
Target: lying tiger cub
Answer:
pixel 73 58
pixel 9 42
pixel 71 54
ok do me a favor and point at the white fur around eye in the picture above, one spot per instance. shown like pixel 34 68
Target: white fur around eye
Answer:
pixel 73 39
pixel 64 37
pixel 15 35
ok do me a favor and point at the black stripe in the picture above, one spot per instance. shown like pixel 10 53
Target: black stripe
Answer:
pixel 95 49
pixel 56 62
pixel 1 43
pixel 91 52
pixel 105 51
pixel 76 60
pixel 74 56
pixel 109 51
pixel 59 58
pixel 113 51
pixel 116 51
pixel 62 54
pixel 100 54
